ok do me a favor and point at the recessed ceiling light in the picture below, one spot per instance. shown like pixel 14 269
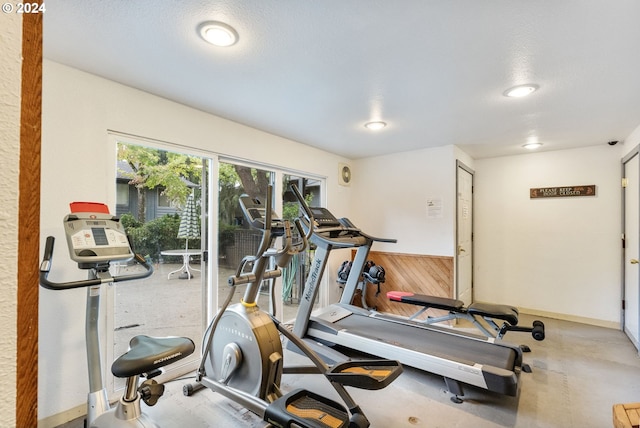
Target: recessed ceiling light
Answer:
pixel 532 146
pixel 521 90
pixel 218 33
pixel 375 126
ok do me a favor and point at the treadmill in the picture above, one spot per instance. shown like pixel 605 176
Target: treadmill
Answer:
pixel 461 358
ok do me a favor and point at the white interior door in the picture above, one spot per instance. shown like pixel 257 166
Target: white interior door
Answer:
pixel 631 297
pixel 464 234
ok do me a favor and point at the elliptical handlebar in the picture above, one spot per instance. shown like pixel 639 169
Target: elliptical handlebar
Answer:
pixel 265 219
pixel 284 255
pixel 305 238
pixel 288 250
pixel 307 211
pixel 45 268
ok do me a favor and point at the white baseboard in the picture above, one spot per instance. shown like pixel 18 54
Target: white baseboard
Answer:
pixel 574 318
pixel 64 417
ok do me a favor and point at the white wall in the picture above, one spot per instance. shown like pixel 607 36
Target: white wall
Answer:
pixel 552 255
pixel 10 78
pixel 78 165
pixel 630 142
pixel 390 199
pixel 557 257
pixel 391 194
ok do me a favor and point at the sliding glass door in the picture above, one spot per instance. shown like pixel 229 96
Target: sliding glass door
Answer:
pixel 235 238
pixel 162 201
pixel 168 203
pixel 294 276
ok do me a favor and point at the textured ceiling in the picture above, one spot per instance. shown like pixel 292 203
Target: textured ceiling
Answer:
pixel 315 71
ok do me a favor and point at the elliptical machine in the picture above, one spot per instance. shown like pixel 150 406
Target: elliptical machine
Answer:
pixel 95 239
pixel 242 350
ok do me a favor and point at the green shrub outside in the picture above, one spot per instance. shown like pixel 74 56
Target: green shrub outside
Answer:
pixel 226 236
pixel 156 235
pixel 160 234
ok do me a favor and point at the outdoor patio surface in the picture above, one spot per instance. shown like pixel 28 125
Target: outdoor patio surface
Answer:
pixel 162 306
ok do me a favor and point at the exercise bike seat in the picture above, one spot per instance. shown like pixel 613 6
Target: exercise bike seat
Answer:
pixel 502 312
pixel 147 354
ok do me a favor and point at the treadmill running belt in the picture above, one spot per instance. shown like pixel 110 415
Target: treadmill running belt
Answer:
pixel 431 342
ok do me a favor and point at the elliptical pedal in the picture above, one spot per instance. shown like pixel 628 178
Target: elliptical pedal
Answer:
pixel 365 374
pixel 307 409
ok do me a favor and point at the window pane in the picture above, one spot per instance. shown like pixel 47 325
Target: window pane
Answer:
pixel 163 222
pixel 163 199
pixel 122 194
pixel 294 275
pixel 236 239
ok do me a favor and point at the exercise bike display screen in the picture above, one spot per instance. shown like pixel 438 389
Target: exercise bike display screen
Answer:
pixel 95 237
pixel 99 236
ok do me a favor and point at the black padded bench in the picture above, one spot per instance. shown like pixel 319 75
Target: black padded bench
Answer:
pixel 489 312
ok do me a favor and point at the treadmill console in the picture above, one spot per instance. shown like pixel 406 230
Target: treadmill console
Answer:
pixel 324 218
pixel 255 212
pixel 94 237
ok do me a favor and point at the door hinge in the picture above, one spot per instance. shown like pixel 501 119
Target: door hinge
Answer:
pixel 623 305
pixel 625 182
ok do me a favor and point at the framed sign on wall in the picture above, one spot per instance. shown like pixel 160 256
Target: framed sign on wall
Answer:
pixel 564 191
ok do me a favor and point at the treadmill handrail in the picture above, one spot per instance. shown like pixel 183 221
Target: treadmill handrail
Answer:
pixel 352 237
pixel 350 226
pixel 340 242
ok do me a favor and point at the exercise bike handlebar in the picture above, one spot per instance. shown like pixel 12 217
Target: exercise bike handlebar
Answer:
pixel 45 268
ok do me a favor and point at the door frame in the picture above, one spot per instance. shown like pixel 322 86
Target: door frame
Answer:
pixel 460 165
pixel 635 152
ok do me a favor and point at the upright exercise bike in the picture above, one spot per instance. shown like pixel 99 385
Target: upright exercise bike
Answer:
pixel 95 239
pixel 243 353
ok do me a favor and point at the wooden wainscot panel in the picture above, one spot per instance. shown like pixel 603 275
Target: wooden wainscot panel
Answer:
pixel 420 274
